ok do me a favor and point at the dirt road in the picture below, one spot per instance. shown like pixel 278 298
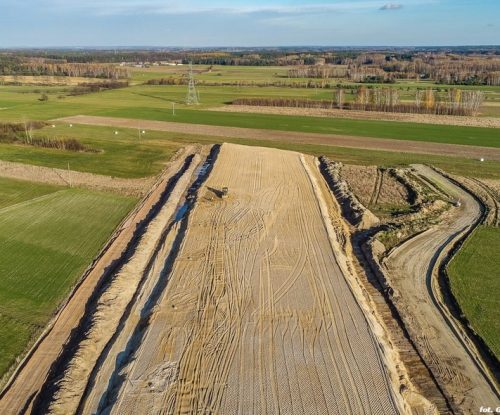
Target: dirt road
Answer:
pixel 258 316
pixel 61 177
pixel 411 270
pixel 23 388
pixel 295 137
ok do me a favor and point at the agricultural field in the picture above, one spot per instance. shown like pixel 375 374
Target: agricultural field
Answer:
pixel 48 236
pixel 155 102
pixel 355 150
pixel 218 74
pixel 122 155
pixel 474 281
pixel 13 192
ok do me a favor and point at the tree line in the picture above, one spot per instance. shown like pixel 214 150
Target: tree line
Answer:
pixel 455 102
pixel 183 80
pixel 42 67
pixel 22 133
pixel 456 66
pixel 91 87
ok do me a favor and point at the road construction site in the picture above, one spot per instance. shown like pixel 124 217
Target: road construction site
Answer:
pixel 234 288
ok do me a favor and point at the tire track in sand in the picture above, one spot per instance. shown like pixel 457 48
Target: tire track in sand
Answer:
pixel 258 316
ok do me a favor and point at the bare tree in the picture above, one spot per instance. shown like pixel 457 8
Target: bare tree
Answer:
pixel 340 97
pixel 28 128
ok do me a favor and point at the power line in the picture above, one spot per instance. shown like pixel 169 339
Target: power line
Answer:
pixel 192 96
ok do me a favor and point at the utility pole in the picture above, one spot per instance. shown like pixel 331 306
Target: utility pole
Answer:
pixel 192 95
pixel 69 176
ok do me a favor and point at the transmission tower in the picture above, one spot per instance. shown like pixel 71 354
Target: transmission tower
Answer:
pixel 192 95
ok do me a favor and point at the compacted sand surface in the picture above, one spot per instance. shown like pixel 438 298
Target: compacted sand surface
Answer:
pixel 258 316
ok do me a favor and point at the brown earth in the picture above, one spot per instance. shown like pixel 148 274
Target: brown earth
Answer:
pixel 374 186
pixel 494 185
pixel 420 390
pixel 61 177
pixel 27 381
pixel 410 270
pixel 465 151
pixel 258 315
pixel 488 122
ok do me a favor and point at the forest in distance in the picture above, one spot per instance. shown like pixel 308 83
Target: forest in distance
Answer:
pixel 452 66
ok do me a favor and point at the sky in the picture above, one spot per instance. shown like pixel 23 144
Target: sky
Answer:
pixel 197 23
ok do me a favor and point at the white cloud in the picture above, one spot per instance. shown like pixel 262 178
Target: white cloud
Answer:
pixel 391 6
pixel 175 7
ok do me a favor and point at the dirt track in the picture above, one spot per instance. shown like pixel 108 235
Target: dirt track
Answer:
pixel 295 137
pixel 20 393
pixel 411 270
pixel 63 177
pixel 258 315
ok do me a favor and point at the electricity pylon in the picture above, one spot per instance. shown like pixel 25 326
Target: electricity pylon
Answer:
pixel 192 95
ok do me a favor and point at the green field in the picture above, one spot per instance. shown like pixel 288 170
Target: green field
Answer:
pixel 46 243
pixel 155 103
pixel 125 155
pixel 122 155
pixel 474 282
pixel 17 191
pixel 223 73
pixel 220 74
pixel 380 129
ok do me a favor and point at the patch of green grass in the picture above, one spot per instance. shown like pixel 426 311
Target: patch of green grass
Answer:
pixel 218 73
pixel 388 211
pixel 14 336
pixel 122 155
pixel 44 247
pixel 18 191
pixel 475 284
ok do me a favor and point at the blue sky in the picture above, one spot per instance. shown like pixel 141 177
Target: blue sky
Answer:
pixel 42 23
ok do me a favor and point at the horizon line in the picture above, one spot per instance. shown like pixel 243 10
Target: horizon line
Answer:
pixel 110 47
